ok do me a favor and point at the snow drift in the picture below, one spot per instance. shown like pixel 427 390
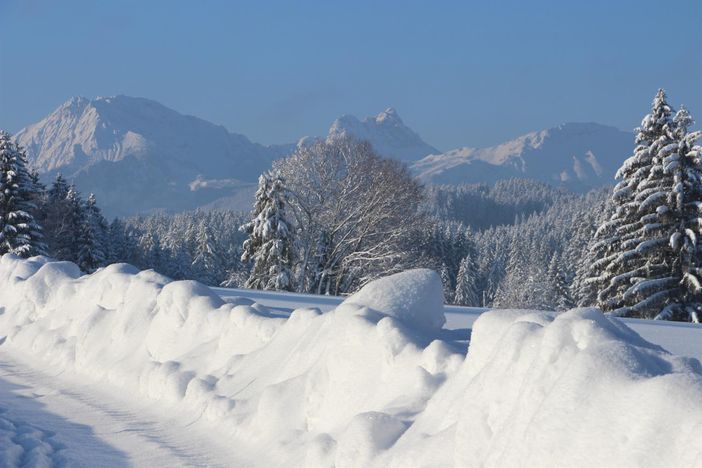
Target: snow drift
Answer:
pixel 367 383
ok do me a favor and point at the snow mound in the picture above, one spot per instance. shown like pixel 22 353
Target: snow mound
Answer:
pixel 414 297
pixel 576 389
pixel 364 384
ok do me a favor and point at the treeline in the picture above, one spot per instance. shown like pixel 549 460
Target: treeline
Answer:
pixel 201 245
pixel 481 206
pixel 56 222
pixel 532 261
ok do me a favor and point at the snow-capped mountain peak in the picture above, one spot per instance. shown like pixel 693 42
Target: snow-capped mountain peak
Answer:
pixel 387 133
pixel 389 115
pixel 139 155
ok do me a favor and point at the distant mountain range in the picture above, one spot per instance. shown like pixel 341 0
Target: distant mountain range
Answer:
pixel 577 156
pixel 139 156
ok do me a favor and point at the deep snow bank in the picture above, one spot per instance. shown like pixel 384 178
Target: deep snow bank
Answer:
pixel 365 384
pixel 321 389
pixel 575 389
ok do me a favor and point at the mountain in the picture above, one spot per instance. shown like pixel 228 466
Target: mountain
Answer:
pixel 577 156
pixel 387 133
pixel 139 156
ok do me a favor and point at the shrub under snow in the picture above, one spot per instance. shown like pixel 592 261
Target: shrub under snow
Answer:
pixel 366 384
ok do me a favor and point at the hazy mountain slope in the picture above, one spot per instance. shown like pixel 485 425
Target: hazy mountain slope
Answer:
pixel 575 155
pixel 387 133
pixel 138 155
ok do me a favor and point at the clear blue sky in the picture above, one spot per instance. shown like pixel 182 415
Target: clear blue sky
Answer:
pixel 460 73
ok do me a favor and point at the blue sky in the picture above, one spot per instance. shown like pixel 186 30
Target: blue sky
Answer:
pixel 459 73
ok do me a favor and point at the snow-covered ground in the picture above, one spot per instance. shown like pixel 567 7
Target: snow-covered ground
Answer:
pixel 683 339
pixel 129 368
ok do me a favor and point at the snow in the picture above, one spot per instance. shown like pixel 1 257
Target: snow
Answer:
pixel 576 389
pixel 90 424
pixel 578 155
pixel 386 132
pixel 262 379
pixel 414 297
pixel 22 444
pixel 138 156
pixel 146 371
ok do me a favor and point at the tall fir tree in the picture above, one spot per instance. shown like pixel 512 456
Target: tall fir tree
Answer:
pixel 270 242
pixel 73 224
pixel 649 259
pixel 93 237
pixel 56 214
pixel 467 282
pixel 670 206
pixel 19 232
pixel 446 284
pixel 207 263
pixel 561 297
pixel 614 262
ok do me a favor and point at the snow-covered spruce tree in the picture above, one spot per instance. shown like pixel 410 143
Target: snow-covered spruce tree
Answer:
pixel 92 239
pixel 516 287
pixel 270 242
pixel 655 273
pixel 467 282
pixel 670 204
pixel 19 232
pixel 207 262
pixel 72 226
pixel 446 284
pixel 587 275
pixel 150 253
pixel 614 262
pixel 121 248
pixel 56 214
pixel 561 297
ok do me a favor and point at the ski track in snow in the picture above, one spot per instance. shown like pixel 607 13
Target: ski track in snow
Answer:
pixel 82 424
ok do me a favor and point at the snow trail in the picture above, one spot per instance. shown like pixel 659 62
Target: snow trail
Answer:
pixel 86 424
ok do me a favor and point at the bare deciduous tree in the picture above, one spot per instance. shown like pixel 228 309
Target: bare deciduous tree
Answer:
pixel 356 214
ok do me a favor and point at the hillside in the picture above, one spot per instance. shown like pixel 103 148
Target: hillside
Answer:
pixel 577 156
pixel 137 155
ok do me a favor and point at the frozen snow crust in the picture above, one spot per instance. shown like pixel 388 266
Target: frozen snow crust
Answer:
pixel 365 384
